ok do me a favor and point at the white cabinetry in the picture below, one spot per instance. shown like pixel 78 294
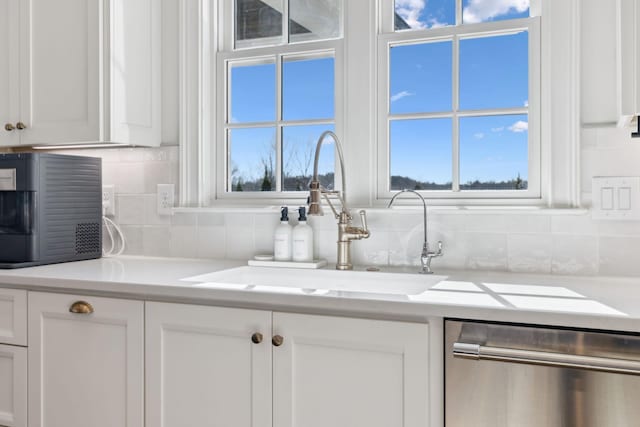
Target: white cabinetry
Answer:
pixel 54 85
pixel 13 358
pixel 49 71
pixel 206 366
pixel 341 372
pixel 85 368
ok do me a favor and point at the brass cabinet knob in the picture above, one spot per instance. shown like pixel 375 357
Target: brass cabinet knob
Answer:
pixel 21 126
pixel 256 338
pixel 9 127
pixel 81 307
pixel 277 340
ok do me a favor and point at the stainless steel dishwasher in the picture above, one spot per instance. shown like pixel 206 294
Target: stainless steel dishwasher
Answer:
pixel 500 375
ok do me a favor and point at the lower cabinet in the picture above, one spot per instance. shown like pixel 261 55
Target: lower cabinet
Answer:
pixel 85 361
pixel 13 386
pixel 233 367
pixel 207 366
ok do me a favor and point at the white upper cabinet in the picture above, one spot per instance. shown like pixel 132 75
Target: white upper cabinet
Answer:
pixel 60 71
pixel 136 80
pixel 629 65
pixel 80 71
pixel 9 74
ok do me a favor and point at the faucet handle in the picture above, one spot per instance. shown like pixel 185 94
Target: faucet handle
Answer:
pixel 363 217
pixel 439 247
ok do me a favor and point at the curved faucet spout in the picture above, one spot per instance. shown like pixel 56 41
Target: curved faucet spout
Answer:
pixel 315 183
pixel 427 255
pixel 424 206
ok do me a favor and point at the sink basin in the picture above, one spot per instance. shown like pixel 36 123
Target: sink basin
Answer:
pixel 317 281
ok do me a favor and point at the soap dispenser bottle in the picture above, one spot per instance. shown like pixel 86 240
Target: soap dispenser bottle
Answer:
pixel 302 239
pixel 282 246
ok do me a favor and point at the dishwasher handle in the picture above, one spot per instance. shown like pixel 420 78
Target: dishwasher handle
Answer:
pixel 543 358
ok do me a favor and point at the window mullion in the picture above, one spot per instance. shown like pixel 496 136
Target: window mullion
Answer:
pixel 279 132
pixel 285 22
pixel 458 12
pixel 455 132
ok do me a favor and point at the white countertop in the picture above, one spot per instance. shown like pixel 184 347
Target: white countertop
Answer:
pixel 591 302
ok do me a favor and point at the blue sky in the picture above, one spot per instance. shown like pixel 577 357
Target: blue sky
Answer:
pixel 493 74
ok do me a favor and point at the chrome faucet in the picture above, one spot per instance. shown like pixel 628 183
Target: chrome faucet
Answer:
pixel 427 255
pixel 346 232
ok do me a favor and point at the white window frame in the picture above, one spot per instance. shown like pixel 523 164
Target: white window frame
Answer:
pixel 357 63
pixel 390 38
pixel 251 53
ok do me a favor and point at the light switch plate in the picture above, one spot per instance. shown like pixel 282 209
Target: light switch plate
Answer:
pixel 616 198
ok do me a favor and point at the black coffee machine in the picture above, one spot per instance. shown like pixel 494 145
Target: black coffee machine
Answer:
pixel 50 209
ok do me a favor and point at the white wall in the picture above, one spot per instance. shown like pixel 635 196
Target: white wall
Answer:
pixel 530 241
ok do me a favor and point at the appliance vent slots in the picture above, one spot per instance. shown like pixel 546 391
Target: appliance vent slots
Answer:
pixel 87 238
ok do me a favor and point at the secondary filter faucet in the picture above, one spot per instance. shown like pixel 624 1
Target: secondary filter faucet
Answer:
pixel 427 255
pixel 346 232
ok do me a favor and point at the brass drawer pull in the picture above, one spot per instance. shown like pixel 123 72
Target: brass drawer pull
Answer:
pixel 9 127
pixel 81 307
pixel 256 338
pixel 21 126
pixel 277 340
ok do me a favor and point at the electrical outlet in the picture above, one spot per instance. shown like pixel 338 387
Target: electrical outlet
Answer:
pixel 108 200
pixel 165 198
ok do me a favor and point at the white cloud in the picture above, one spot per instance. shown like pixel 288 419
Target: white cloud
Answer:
pixel 485 10
pixel 500 129
pixel 410 11
pixel 526 103
pixel 478 135
pixel 519 127
pixel 434 23
pixel 398 96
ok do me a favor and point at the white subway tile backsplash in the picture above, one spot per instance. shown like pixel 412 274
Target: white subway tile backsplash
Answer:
pixel 515 241
pixel 529 253
pixel 575 255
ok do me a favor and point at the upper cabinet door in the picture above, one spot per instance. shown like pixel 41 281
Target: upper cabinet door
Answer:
pixel 136 78
pixel 629 60
pixel 60 47
pixel 206 366
pixel 339 372
pixel 9 90
pixel 86 366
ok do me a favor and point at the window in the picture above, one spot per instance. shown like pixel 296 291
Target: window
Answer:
pixel 277 73
pixel 459 115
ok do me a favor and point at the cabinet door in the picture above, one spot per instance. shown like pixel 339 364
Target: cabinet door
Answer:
pixel 136 77
pixel 203 369
pixel 13 317
pixel 85 369
pixel 60 49
pixel 13 386
pixel 340 372
pixel 9 92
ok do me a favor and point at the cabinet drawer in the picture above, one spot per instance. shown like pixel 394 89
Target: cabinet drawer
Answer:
pixel 13 317
pixel 13 386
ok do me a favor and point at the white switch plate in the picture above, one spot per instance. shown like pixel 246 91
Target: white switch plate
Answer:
pixel 616 198
pixel 108 200
pixel 165 198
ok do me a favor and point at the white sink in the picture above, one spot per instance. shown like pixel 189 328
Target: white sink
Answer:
pixel 317 281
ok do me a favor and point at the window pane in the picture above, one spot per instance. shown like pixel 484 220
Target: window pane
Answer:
pixel 252 159
pixel 308 89
pixel 252 90
pixel 422 14
pixel 494 72
pixel 421 78
pixel 258 22
pixel 314 19
pixel 494 153
pixel 298 151
pixel 474 11
pixel 421 154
